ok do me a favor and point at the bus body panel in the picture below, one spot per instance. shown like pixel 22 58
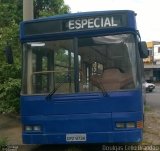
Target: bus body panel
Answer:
pixel 93 115
pixel 81 104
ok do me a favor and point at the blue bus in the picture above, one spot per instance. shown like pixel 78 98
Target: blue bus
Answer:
pixel 82 79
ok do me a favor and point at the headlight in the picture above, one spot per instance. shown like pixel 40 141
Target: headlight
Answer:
pixel 37 128
pixel 130 125
pixel 32 128
pixel 28 128
pixel 120 125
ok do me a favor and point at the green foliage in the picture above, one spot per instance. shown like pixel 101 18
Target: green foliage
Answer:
pixel 9 74
pixel 10 34
pixel 11 13
pixel 147 108
pixel 9 71
pixel 9 95
pixel 9 88
pixel 10 10
pixel 49 8
pixel 3 143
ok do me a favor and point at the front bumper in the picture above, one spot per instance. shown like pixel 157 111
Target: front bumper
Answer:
pixel 106 137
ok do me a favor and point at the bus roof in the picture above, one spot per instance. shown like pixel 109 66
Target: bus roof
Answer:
pixel 77 22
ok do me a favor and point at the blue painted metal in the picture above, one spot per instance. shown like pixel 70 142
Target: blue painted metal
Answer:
pixel 105 137
pixel 131 26
pixel 92 114
pixel 86 103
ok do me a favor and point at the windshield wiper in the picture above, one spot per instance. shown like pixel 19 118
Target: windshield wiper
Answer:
pixel 96 82
pixel 104 92
pixel 67 77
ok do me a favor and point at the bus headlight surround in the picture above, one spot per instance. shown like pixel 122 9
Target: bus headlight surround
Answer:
pixel 125 125
pixel 32 128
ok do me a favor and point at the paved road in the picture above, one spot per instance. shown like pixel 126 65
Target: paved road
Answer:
pixel 153 98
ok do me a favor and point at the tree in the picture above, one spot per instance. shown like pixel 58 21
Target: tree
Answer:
pixel 11 14
pixel 10 10
pixel 49 8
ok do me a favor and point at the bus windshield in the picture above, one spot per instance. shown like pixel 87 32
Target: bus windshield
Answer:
pixel 80 65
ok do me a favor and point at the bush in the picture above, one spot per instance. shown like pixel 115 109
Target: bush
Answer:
pixel 9 88
pixel 3 143
pixel 9 96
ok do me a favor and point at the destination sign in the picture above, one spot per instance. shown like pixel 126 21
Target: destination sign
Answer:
pixel 75 24
pixel 98 22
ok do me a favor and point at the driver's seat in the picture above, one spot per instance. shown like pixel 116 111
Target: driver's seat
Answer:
pixel 111 79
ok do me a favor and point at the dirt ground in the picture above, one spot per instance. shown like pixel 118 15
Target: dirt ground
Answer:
pixel 10 128
pixel 152 127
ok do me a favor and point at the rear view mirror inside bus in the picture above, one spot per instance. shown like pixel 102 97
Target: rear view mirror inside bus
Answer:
pixel 143 50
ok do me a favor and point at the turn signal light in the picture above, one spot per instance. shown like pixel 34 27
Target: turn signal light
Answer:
pixel 139 124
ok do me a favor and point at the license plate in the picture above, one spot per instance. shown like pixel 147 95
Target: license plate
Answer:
pixel 76 137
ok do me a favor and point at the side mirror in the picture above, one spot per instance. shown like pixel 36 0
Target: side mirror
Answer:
pixel 143 50
pixel 9 54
